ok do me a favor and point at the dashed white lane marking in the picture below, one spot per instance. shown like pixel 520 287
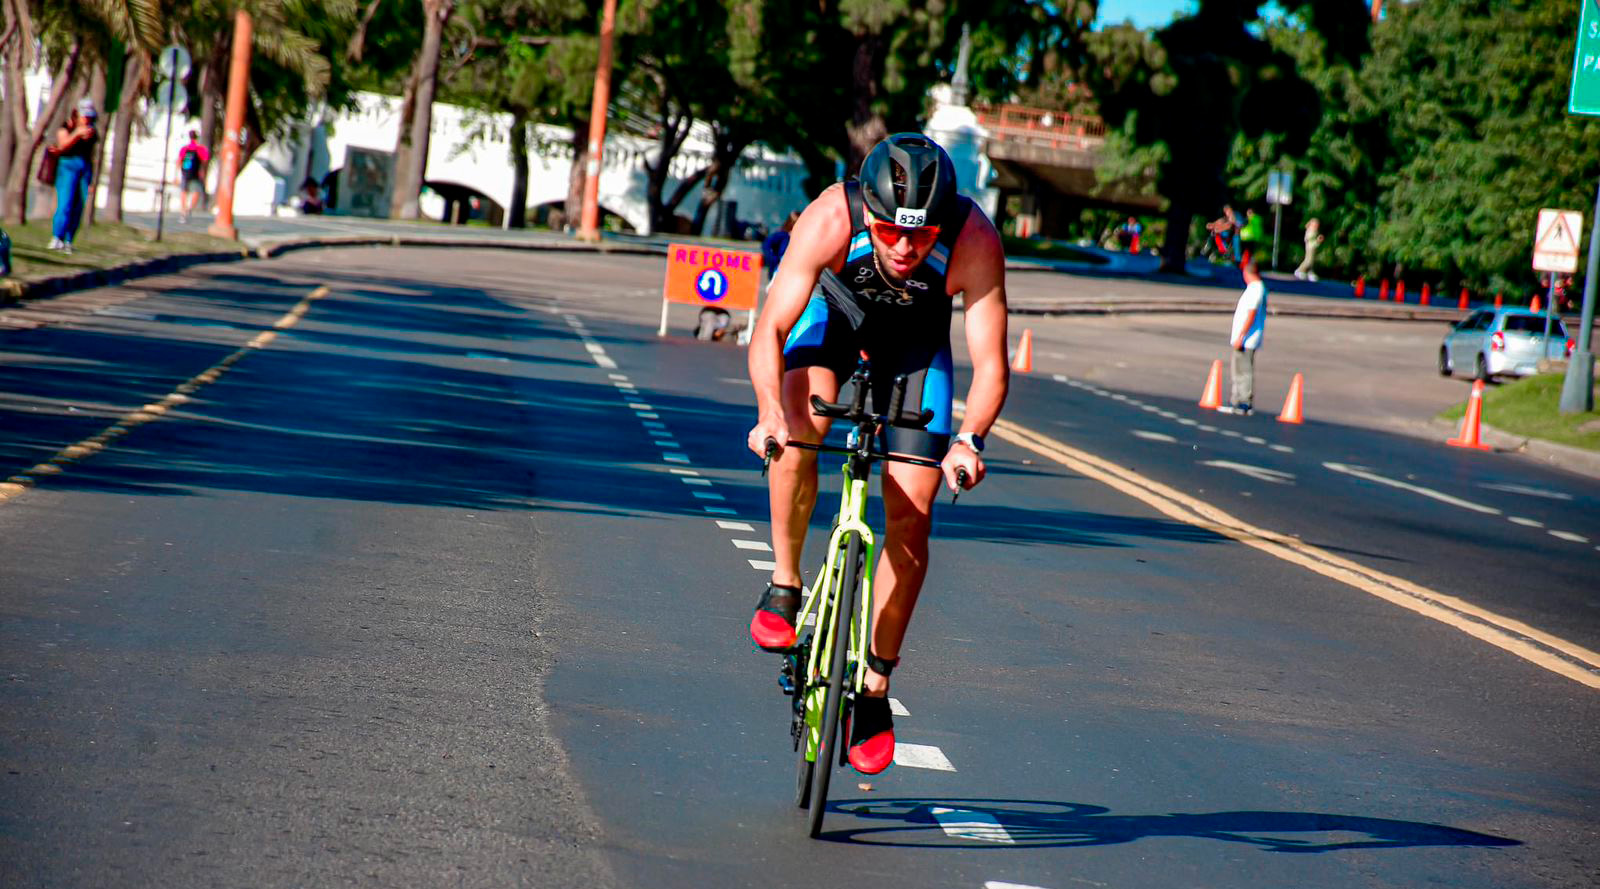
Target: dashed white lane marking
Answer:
pixel 604 361
pixel 897 708
pixel 1188 422
pixel 1060 378
pixel 702 482
pixel 656 425
pixel 1154 436
pixel 1204 428
pixel 707 495
pixel 1365 473
pixel 1260 473
pixel 759 546
pixel 997 884
pixel 921 756
pixel 648 415
pixel 1231 434
pixel 1526 523
pixel 734 526
pixel 1568 535
pixel 1282 449
pixel 1167 414
pixel 618 376
pixel 595 348
pixel 683 472
pixel 1256 440
pixel 764 565
pixel 640 406
pixel 720 510
pixel 969 825
pixel 675 458
pixel 1523 489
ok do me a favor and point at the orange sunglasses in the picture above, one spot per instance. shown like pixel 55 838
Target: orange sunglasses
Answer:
pixel 890 234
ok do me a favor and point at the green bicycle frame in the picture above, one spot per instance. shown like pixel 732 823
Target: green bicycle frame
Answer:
pixel 822 600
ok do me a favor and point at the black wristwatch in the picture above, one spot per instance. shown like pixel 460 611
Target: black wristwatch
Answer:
pixel 970 439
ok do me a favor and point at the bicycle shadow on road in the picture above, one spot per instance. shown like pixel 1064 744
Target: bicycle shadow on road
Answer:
pixel 1012 823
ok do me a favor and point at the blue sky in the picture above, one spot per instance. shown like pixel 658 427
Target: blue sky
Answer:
pixel 1144 13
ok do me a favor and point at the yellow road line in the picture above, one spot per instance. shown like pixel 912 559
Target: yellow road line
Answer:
pixel 94 444
pixel 1529 643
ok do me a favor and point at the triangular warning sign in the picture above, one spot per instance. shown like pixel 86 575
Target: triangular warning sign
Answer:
pixel 1558 237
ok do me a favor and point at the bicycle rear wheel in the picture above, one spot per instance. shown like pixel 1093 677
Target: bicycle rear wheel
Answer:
pixel 833 700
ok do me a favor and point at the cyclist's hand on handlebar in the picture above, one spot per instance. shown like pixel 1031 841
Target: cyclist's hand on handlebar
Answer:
pixel 767 429
pixel 962 459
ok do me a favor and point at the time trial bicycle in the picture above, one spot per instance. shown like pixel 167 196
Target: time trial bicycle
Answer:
pixel 823 673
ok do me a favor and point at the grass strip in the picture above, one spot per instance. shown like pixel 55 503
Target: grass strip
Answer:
pixel 100 246
pixel 1531 407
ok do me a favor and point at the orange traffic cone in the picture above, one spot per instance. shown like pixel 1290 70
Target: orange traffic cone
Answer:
pixel 1023 362
pixel 1499 299
pixel 1400 291
pixel 1535 306
pixel 1383 291
pixel 1462 306
pixel 1292 406
pixel 1423 300
pixel 1361 287
pixel 1469 423
pixel 1212 397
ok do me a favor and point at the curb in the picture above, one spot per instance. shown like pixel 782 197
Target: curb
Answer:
pixel 14 291
pixel 1564 457
pixel 1292 310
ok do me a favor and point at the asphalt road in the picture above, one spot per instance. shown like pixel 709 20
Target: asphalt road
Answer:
pixel 445 583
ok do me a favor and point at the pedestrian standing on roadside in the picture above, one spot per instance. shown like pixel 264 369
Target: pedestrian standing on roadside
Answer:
pixel 1249 325
pixel 75 144
pixel 192 161
pixel 1313 241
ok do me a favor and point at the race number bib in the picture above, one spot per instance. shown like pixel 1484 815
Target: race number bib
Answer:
pixel 910 218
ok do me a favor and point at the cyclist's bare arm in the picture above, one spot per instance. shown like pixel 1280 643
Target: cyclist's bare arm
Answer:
pixel 818 242
pixel 980 277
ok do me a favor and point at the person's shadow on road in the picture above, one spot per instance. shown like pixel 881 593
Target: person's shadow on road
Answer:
pixel 1001 823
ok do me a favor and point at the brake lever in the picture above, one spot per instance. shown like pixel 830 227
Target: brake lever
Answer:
pixel 772 451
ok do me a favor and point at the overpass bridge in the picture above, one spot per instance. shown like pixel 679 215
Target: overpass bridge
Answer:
pixel 1047 159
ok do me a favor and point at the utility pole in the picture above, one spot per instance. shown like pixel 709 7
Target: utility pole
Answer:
pixel 589 230
pixel 233 125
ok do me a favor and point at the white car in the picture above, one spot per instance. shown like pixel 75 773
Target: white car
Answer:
pixel 1502 342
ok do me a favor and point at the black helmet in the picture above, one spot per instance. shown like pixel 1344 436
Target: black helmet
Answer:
pixel 907 179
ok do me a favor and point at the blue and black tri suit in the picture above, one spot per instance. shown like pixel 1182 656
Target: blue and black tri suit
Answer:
pixel 903 330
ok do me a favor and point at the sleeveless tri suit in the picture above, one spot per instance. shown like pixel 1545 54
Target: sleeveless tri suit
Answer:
pixel 903 330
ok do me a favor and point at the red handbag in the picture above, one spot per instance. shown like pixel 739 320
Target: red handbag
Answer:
pixel 47 165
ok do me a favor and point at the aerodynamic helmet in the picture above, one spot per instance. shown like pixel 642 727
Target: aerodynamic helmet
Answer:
pixel 907 179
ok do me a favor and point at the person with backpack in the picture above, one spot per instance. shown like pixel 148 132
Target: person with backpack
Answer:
pixel 192 161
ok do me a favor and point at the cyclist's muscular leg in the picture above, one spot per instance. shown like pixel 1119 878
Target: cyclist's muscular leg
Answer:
pixel 908 495
pixel 792 489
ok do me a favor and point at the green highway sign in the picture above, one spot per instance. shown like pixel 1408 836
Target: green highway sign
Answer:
pixel 1585 96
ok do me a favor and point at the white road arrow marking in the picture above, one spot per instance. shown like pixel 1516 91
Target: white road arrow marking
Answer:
pixel 968 825
pixel 1365 473
pixel 1260 473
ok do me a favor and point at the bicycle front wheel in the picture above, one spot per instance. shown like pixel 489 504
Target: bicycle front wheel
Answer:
pixel 830 740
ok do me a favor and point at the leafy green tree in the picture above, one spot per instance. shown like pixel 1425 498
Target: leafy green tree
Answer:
pixel 1203 80
pixel 1474 93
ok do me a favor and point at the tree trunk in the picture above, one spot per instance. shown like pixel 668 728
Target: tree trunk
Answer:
pixel 28 146
pixel 1175 249
pixel 409 186
pixel 212 77
pixel 8 133
pixel 97 92
pixel 575 179
pixel 866 126
pixel 402 140
pixel 718 175
pixel 517 213
pixel 127 109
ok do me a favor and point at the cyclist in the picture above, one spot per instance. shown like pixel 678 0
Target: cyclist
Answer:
pixel 872 266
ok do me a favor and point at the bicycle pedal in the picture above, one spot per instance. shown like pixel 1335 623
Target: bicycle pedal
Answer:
pixel 786 677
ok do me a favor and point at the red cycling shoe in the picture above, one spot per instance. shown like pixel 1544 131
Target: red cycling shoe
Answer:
pixel 772 627
pixel 872 725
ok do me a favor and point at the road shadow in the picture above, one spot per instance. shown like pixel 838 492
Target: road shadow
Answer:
pixel 985 823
